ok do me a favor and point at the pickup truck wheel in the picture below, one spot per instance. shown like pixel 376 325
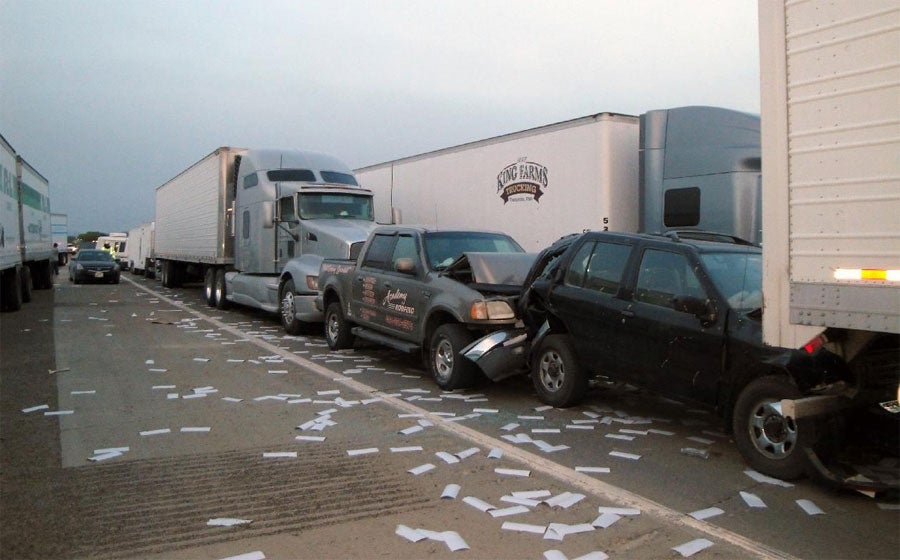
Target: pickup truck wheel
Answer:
pixel 770 442
pixel 558 378
pixel 209 287
pixel 219 290
pixel 288 320
pixel 337 328
pixel 449 368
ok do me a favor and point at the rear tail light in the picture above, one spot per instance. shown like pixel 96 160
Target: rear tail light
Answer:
pixel 814 344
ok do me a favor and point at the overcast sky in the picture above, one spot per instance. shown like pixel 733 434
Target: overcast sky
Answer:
pixel 109 99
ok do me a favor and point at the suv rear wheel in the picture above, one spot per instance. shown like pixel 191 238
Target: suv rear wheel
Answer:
pixel 772 444
pixel 449 369
pixel 558 378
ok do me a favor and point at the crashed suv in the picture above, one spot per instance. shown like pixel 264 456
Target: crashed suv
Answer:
pixel 677 315
pixel 416 289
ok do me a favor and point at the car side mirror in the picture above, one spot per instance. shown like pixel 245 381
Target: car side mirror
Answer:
pixel 405 266
pixel 700 308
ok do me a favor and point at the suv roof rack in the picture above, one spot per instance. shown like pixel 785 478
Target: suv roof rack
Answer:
pixel 700 235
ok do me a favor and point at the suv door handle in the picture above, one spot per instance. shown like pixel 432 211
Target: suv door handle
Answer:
pixel 627 313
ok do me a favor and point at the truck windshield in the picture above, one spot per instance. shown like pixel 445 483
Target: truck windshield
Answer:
pixel 323 206
pixel 738 276
pixel 444 247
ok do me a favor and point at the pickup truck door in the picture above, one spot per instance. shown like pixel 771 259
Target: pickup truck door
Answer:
pixel 368 284
pixel 401 289
pixel 671 352
pixel 586 298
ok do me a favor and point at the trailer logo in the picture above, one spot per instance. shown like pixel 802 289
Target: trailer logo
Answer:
pixel 522 181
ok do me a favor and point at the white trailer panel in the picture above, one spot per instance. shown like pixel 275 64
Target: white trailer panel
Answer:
pixel 191 210
pixel 536 185
pixel 59 224
pixel 831 173
pixel 35 202
pixel 140 246
pixel 9 208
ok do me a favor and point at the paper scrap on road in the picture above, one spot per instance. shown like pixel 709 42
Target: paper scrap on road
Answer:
pixel 156 387
pixel 409 534
pixel 156 432
pixel 809 507
pixel 509 427
pixel 623 455
pixel 622 437
pixel 478 503
pixel 564 500
pixel 528 502
pixel 231 399
pixel 450 491
pixel 195 429
pixel 411 430
pixel 157 370
pixel 227 522
pixel 702 514
pixel 513 472
pixel 555 555
pixel 692 547
pixel 280 455
pixel 605 520
pixel 60 370
pixel 759 477
pixel 447 457
pixel 752 500
pixel 310 438
pixel 329 392
pixel 406 449
pixel 557 531
pixel 59 413
pixel 545 430
pixel 255 555
pixel 496 453
pixel 91 392
pixel 513 510
pixel 201 360
pixel 619 510
pixel 421 469
pixel 524 527
pixel 36 408
pixel 593 470
pixel 532 494
pixel 466 453
pixel 366 451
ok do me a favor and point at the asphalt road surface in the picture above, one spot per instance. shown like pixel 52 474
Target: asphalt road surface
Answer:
pixel 193 402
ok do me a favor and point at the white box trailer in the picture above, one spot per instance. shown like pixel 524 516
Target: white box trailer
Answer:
pixel 141 255
pixel 601 172
pixel 831 139
pixel 36 232
pixel 59 224
pixel 10 256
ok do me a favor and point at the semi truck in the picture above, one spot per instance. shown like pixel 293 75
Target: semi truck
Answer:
pixel 254 226
pixel 59 225
pixel 650 173
pixel 830 92
pixel 140 253
pixel 26 246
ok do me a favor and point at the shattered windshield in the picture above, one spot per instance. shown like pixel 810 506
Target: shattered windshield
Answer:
pixel 738 276
pixel 444 247
pixel 323 206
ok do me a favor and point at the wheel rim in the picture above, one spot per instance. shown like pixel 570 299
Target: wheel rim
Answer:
pixel 443 359
pixel 773 435
pixel 333 328
pixel 552 371
pixel 209 291
pixel 287 307
pixel 220 291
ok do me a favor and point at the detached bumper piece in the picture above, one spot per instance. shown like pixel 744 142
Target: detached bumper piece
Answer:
pixel 500 354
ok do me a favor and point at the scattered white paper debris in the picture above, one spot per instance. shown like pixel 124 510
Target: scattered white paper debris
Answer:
pixel 421 469
pixel 155 387
pixel 545 430
pixel 91 392
pixel 513 472
pixel 454 541
pixel 329 392
pixel 158 370
pixel 622 437
pixel 278 371
pixel 809 507
pixel 447 457
pixel 172 396
pixel 605 520
pixel 280 455
pixel 406 449
pixel 104 456
pixel 409 534
pixel 579 427
pixel 450 491
pixel 528 502
pixel 201 360
pixel 504 512
pixel 156 432
pixel 310 438
pixel 555 555
pixel 486 410
pixel 532 494
pixel 255 555
pixel 231 399
pixel 694 452
pixel 366 451
pixel 888 507
pixel 411 430
pixel 530 417
pixel 227 522
pixel 564 500
pixel 619 510
pixel 623 455
pixel 195 429
pixel 524 527
pixel 593 470
pixel 759 477
pixel 36 408
pixel 752 500
pixel 692 547
pixel 478 503
pixel 496 453
pixel 701 440
pixel 661 432
pixel 509 427
pixel 557 531
pixel 466 453
pixel 149 362
pixel 702 514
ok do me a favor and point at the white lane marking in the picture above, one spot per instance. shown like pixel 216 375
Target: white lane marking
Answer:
pixel 561 473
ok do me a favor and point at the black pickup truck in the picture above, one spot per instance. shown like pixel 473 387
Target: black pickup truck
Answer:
pixel 416 289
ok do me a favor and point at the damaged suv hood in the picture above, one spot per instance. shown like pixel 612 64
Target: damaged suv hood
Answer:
pixel 493 272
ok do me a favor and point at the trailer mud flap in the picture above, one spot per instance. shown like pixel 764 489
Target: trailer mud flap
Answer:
pixel 500 354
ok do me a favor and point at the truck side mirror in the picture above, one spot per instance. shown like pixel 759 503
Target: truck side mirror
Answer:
pixel 405 266
pixel 268 210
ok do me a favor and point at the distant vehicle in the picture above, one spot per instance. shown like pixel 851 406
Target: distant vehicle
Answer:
pixel 254 226
pixel 141 254
pixel 417 289
pixel 117 245
pixel 94 265
pixel 60 225
pixel 72 249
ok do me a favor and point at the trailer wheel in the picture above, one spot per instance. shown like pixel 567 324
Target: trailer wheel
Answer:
pixel 337 328
pixel 209 287
pixel 557 376
pixel 11 287
pixel 771 443
pixel 26 284
pixel 220 290
pixel 149 270
pixel 288 319
pixel 449 369
pixel 166 274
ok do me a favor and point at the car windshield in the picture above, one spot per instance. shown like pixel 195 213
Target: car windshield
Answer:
pixel 444 247
pixel 738 276
pixel 94 256
pixel 322 206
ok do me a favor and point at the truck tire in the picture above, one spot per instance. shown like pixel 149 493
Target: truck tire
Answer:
pixel 337 328
pixel 164 275
pixel 288 320
pixel 149 270
pixel 558 378
pixel 449 369
pixel 769 442
pixel 209 287
pixel 11 287
pixel 42 276
pixel 26 284
pixel 219 290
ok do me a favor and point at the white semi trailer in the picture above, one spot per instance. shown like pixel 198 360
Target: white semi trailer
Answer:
pixel 830 76
pixel 682 168
pixel 59 224
pixel 141 256
pixel 254 226
pixel 26 243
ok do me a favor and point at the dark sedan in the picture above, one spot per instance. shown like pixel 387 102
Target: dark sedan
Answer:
pixel 93 265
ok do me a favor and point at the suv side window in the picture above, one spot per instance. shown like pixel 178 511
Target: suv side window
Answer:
pixel 664 275
pixel 578 266
pixel 604 272
pixel 379 251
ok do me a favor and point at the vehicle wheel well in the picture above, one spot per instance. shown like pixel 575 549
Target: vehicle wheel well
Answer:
pixel 283 280
pixel 328 297
pixel 434 321
pixel 728 398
